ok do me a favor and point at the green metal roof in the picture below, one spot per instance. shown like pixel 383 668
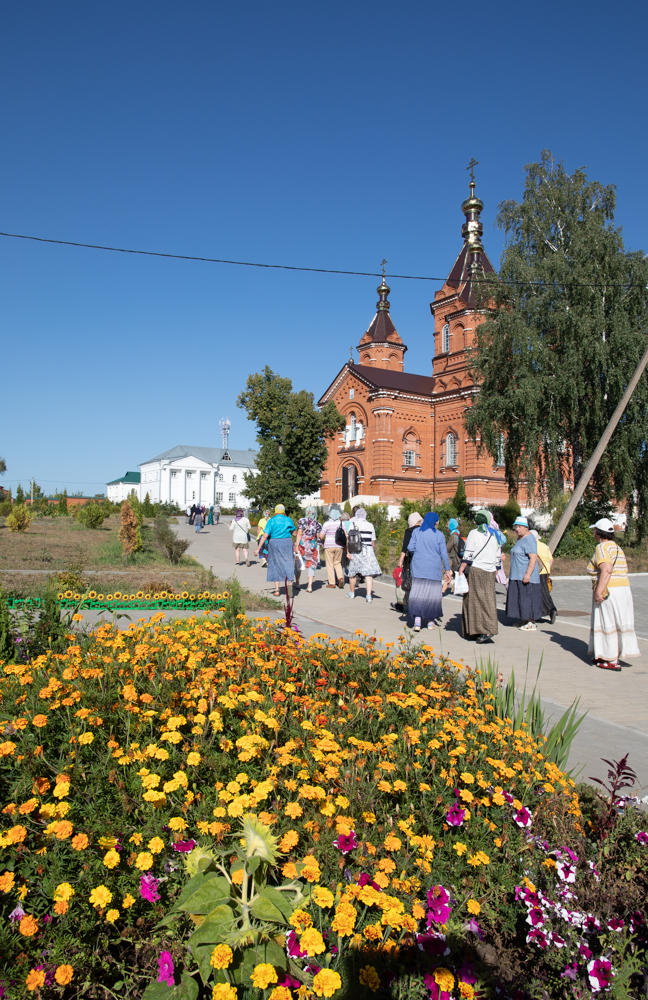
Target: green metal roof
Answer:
pixel 130 477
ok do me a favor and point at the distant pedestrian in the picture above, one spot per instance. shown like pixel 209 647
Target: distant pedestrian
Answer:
pixel 430 564
pixel 193 513
pixel 405 564
pixel 198 519
pixel 306 545
pixel 260 530
pixel 210 516
pixel 612 629
pixel 524 598
pixel 188 521
pixel 281 558
pixel 364 562
pixel 217 513
pixel 333 549
pixel 480 558
pixel 240 528
pixel 455 544
pixel 545 560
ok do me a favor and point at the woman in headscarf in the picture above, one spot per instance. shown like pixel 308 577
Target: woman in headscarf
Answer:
pixel 332 550
pixel 612 628
pixel 260 529
pixel 545 559
pixel 429 565
pixel 281 558
pixel 306 545
pixel 404 563
pixel 482 554
pixel 240 527
pixel 363 563
pixel 455 544
pixel 210 516
pixel 524 599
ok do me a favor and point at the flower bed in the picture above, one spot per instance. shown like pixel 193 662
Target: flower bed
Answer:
pixel 315 818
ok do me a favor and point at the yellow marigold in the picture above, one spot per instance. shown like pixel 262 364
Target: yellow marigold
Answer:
pixel 280 993
pixel 444 979
pixel 28 925
pixel 35 979
pixel 193 758
pixel 263 975
pixel 466 991
pixel 473 906
pixel 177 824
pixel 294 810
pixel 15 835
pixel 498 799
pixel 86 738
pixel 393 843
pixel 112 916
pixel 467 778
pixel 289 870
pixel 144 861
pixel 100 896
pixel 459 848
pixel 7 880
pixel 63 974
pixel 7 748
pixel 369 817
pixel 237 877
pixel 111 859
pixel 369 977
pixel 39 721
pixel 344 920
pixel 221 956
pixel 311 869
pixel 323 897
pixel 300 920
pixel 80 842
pixel 155 845
pixel 63 891
pixel 466 795
pixel 128 901
pixel 373 932
pixel 326 983
pixel 223 991
pixel 312 942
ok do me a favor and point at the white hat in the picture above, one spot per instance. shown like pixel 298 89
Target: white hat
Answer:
pixel 522 521
pixel 603 524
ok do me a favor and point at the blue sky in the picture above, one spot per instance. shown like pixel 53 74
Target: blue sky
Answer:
pixel 319 135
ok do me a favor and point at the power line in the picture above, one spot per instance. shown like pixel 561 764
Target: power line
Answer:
pixel 293 267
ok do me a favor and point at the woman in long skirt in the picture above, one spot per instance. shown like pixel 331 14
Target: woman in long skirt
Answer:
pixel 524 599
pixel 429 564
pixel 612 630
pixel 479 613
pixel 306 545
pixel 281 559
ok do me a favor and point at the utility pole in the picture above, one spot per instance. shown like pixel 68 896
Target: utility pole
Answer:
pixel 32 491
pixel 588 472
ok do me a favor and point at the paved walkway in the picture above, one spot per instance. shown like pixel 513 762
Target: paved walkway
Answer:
pixel 617 703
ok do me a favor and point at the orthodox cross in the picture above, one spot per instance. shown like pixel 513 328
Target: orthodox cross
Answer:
pixel 351 352
pixel 383 269
pixel 471 166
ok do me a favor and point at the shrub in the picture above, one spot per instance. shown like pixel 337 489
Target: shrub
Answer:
pixel 129 534
pixel 5 507
pixel 506 515
pixel 91 515
pixel 20 518
pixel 72 579
pixel 339 809
pixel 460 500
pixel 168 542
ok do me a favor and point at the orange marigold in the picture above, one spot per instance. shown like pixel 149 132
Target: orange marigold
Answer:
pixel 35 979
pixel 80 842
pixel 63 974
pixel 28 925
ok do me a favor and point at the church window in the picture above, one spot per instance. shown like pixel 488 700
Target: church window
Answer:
pixel 445 338
pixel 219 498
pixel 351 393
pixel 190 475
pixel 221 478
pixel 232 498
pixel 174 473
pixel 451 449
pixel 410 458
pixel 233 479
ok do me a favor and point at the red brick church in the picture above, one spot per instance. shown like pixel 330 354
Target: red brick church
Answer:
pixel 405 436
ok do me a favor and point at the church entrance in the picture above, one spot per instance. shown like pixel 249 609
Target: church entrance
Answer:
pixel 349 482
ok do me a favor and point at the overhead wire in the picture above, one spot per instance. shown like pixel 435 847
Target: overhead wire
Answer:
pixel 293 267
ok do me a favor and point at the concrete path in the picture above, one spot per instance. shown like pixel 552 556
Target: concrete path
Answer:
pixel 617 703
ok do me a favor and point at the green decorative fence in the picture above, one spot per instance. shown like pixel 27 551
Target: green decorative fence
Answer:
pixel 81 602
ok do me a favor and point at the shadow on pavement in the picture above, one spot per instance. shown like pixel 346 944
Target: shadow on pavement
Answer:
pixel 571 644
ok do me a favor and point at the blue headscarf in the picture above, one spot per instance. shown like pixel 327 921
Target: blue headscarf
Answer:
pixel 429 521
pixel 453 525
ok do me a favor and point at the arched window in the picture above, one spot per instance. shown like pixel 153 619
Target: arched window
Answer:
pixel 233 479
pixel 445 338
pixel 451 449
pixel 410 457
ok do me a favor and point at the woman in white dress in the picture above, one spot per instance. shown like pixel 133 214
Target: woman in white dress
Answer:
pixel 240 527
pixel 612 631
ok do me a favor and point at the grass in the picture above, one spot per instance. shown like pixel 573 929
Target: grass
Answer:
pixel 61 545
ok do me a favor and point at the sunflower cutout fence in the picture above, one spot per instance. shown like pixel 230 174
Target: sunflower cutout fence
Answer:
pixel 163 601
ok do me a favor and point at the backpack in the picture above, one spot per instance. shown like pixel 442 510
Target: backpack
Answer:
pixel 461 545
pixel 354 541
pixel 340 537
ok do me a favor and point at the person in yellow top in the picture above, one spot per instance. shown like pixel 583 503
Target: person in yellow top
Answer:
pixel 612 631
pixel 545 559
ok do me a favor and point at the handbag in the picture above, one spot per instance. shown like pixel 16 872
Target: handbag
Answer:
pixel 460 584
pixel 407 572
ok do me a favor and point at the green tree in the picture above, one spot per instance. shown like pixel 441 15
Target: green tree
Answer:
pixel 564 332
pixel 292 435
pixel 3 466
pixel 62 503
pixel 460 500
pixel 92 515
pixel 148 509
pixel 20 494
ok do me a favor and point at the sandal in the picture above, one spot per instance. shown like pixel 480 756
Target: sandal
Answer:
pixel 606 665
pixel 275 593
pixel 529 627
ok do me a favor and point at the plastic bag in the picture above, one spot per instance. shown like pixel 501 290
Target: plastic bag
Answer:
pixel 460 584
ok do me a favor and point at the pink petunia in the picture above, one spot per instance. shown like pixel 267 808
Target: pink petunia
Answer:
pixel 642 837
pixel 148 888
pixel 455 815
pixel 184 846
pixel 523 817
pixel 439 909
pixel 166 969
pixel 600 973
pixel 346 842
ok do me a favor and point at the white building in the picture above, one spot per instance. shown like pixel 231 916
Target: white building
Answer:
pixel 188 474
pixel 118 490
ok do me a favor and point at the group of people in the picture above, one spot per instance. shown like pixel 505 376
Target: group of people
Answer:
pixel 199 514
pixel 428 561
pixel 348 540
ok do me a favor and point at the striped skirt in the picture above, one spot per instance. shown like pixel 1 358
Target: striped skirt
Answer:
pixel 425 599
pixel 612 630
